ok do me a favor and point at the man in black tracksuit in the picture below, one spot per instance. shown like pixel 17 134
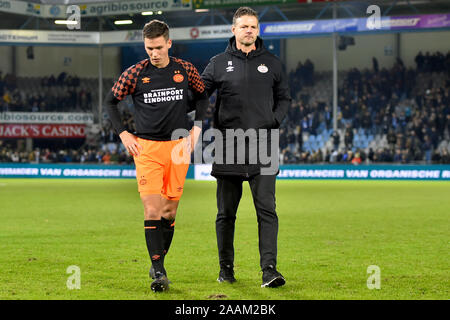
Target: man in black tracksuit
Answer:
pixel 252 93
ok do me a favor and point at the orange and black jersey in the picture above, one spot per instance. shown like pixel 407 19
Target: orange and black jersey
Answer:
pixel 160 97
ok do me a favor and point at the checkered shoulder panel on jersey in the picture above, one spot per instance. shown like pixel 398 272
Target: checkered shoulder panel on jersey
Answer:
pixel 128 79
pixel 195 81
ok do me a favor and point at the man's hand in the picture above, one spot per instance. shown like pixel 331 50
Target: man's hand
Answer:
pixel 131 144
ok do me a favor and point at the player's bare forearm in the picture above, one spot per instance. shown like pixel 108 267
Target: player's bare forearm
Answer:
pixel 131 143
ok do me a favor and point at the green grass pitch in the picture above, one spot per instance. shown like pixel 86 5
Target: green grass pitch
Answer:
pixel 330 233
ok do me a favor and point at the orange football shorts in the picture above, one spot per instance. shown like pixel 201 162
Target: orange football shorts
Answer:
pixel 161 167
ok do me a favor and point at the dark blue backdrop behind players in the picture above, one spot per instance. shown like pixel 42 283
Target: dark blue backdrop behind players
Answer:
pixel 197 53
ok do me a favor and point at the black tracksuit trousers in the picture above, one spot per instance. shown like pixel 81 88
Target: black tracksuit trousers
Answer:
pixel 229 192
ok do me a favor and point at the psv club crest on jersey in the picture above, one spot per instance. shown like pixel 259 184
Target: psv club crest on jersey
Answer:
pixel 178 77
pixel 142 181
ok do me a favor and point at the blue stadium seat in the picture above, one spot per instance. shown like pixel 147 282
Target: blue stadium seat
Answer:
pixel 305 145
pixel 314 146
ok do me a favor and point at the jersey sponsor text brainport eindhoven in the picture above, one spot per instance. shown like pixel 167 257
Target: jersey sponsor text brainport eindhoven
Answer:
pixel 163 95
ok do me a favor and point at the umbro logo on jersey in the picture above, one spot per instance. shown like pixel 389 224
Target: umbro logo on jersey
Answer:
pixel 146 80
pixel 230 67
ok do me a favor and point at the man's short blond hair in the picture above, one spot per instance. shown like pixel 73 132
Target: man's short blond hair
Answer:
pixel 244 11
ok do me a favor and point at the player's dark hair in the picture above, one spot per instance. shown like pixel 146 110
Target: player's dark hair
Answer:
pixel 155 29
pixel 244 11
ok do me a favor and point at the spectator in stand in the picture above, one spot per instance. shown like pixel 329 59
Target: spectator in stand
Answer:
pixel 305 125
pixel 391 138
pixel 299 138
pixel 114 158
pixel 75 81
pixel 15 157
pixel 444 157
pixel 405 156
pixel 348 137
pixel 427 148
pixel 283 139
pixel 419 61
pixel 91 156
pixel 308 74
pixel 106 159
pixel 293 114
pixel 346 115
pixel 83 100
pixel 327 117
pixel 10 82
pixel 356 159
pixel 398 156
pixel 375 65
pixel 61 79
pixel 51 81
pixel 366 121
pixel 7 99
pixel 336 139
pixel 347 156
pixel 292 143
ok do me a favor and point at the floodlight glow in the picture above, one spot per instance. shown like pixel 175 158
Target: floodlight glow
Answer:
pixel 66 22
pixel 120 22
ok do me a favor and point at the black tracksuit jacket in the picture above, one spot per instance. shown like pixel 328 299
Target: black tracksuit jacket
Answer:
pixel 252 92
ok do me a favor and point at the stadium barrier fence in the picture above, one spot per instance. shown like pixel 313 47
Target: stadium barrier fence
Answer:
pixel 202 172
